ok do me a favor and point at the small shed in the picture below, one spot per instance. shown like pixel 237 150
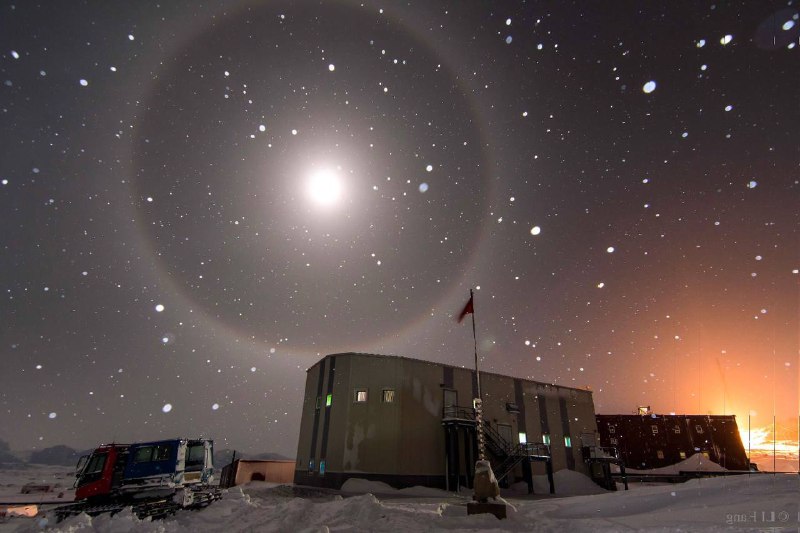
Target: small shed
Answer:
pixel 243 471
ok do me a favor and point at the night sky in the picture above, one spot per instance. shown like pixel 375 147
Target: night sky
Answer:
pixel 199 201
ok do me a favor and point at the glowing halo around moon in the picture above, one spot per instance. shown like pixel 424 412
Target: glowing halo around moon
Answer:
pixel 324 187
pixel 277 204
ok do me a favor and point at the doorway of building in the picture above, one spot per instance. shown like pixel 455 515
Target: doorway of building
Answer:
pixel 505 431
pixel 450 402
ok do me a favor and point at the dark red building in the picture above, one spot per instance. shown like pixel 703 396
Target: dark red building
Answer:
pixel 653 441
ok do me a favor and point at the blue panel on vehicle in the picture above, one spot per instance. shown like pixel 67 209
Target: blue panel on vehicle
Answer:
pixel 152 459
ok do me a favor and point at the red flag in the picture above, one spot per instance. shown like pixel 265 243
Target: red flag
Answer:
pixel 467 310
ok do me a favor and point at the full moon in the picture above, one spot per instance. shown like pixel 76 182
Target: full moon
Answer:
pixel 324 187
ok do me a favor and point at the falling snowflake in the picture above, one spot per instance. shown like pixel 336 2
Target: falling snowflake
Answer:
pixel 52 415
pixel 167 407
pixel 331 67
pixel 536 230
pixel 649 87
pixel 423 187
pixel 726 39
pixel 610 249
pixel 429 168
pixel 159 308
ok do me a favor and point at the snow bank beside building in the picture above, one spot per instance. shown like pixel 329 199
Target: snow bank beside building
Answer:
pixel 754 502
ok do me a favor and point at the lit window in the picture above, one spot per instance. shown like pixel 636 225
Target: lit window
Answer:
pixel 677 430
pixel 660 454
pixel 655 429
pixel 328 400
pixel 361 395
pixel 319 402
pixel 388 396
pixel 683 455
pixel 311 465
pixel 523 438
pixel 322 467
pixel 567 441
pixel 546 439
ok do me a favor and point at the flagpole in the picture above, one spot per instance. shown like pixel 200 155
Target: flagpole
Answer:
pixel 475 341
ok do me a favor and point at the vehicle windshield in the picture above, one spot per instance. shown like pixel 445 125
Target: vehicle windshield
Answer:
pixel 92 470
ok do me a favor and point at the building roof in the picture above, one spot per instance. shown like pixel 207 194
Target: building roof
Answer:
pixel 629 416
pixel 483 372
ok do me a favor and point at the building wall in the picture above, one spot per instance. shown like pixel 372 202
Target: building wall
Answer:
pixel 403 442
pixel 655 441
pixel 272 471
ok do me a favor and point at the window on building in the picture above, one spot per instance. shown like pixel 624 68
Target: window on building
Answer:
pixel 450 398
pixel 660 454
pixel 546 439
pixel 319 402
pixel 613 441
pixel 311 465
pixel 388 395
pixel 567 441
pixel 677 430
pixel 698 428
pixel 683 455
pixel 655 429
pixel 361 395
pixel 612 429
pixel 328 400
pixel 322 467
pixel 523 438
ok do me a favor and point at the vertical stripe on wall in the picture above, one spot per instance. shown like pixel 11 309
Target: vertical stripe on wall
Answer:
pixel 447 377
pixel 326 424
pixel 519 399
pixel 562 407
pixel 315 428
pixel 474 385
pixel 543 414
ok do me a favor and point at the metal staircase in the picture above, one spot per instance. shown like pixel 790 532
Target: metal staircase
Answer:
pixel 506 455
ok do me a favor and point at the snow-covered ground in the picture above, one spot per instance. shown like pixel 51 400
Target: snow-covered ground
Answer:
pixel 758 502
pixel 58 478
